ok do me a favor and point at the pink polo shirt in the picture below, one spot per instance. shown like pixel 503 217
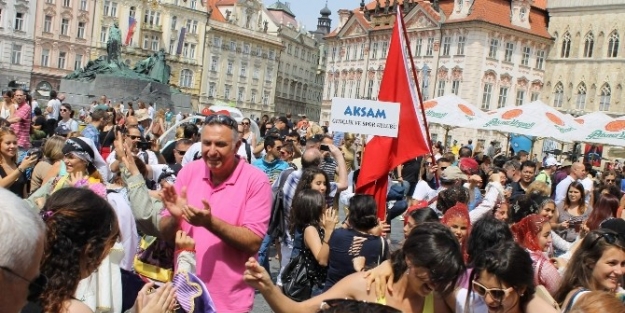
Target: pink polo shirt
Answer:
pixel 243 200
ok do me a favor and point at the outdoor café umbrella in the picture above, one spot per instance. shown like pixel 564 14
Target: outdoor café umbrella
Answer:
pixel 533 119
pixel 592 128
pixel 451 112
pixel 609 132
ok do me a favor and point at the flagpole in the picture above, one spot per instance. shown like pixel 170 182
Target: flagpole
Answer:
pixel 414 76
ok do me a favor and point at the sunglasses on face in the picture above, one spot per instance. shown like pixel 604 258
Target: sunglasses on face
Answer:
pixel 245 123
pixel 498 294
pixel 64 110
pixel 610 180
pixel 35 287
pixel 181 152
pixel 134 137
pixel 443 168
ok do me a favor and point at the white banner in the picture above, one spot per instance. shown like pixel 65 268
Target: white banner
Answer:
pixel 365 117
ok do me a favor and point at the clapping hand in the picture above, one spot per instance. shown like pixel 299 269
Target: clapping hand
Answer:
pixel 256 276
pixel 178 207
pixel 160 301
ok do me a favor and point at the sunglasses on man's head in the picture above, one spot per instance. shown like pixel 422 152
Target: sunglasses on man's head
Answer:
pixel 222 119
pixel 35 287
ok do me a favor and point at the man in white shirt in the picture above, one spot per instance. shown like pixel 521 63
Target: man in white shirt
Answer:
pixel 578 171
pixel 178 117
pixel 151 111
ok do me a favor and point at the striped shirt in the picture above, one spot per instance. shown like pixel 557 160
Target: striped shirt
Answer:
pixel 22 128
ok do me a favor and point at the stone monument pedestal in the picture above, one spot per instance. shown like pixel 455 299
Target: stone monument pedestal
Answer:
pixel 116 88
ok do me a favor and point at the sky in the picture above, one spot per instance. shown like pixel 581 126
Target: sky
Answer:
pixel 307 11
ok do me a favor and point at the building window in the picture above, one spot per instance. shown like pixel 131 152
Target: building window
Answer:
pixel 174 21
pixel 370 89
pixel 558 95
pixel 45 57
pixel 16 54
pixel 525 60
pixel 418 47
pixel 193 4
pixel 441 88
pixel 509 51
pixel 81 30
pixel 604 101
pixel 613 45
pixel 461 41
pixel 62 57
pixel 362 52
pixel 589 43
pixel 186 78
pixel 241 94
pixel 429 50
pixel 243 71
pixel 104 33
pixel 214 62
pixel 254 92
pixel 66 3
pixel 227 92
pixel 503 97
pixel 565 51
pixel 487 95
pixel 540 59
pixel 133 11
pixel 146 42
pixel 217 41
pixel 534 96
pixel 83 5
pixel 455 87
pixel 384 49
pixel 256 73
pixel 520 97
pixel 189 50
pixel 358 89
pixel 347 52
pixel 233 45
pixel 78 62
pixel 494 45
pixel 110 8
pixel 446 45
pixel 334 53
pixel 355 56
pixel 246 48
pixel 192 27
pixel 172 47
pixel 152 18
pixel 230 65
pixel 155 41
pixel 580 103
pixel 47 24
pixel 64 26
pixel 266 98
pixel 211 89
pixel 19 21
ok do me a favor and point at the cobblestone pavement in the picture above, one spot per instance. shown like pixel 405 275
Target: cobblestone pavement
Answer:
pixel 260 305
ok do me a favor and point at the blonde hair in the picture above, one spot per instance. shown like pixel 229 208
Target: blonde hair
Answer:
pixel 598 301
pixel 539 187
pixel 4 131
pixel 53 148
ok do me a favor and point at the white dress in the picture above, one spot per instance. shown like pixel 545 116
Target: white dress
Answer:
pixel 102 291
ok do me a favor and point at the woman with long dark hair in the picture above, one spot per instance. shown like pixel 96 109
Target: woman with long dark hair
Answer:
pixel 81 229
pixel 572 213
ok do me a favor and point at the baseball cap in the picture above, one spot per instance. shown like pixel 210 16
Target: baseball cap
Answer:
pixel 551 161
pixel 469 166
pixel 62 130
pixel 452 173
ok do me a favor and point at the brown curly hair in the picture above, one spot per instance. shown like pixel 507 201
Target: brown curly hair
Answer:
pixel 81 227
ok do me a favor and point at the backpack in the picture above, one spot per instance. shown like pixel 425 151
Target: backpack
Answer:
pixel 277 227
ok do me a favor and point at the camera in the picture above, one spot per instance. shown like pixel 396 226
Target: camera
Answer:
pixel 34 151
pixel 144 145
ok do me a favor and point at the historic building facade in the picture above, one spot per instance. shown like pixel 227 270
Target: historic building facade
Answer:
pixel 491 53
pixel 300 72
pixel 17 29
pixel 241 59
pixel 175 26
pixel 63 30
pixel 585 67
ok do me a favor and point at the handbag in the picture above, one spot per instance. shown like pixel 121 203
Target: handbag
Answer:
pixel 296 283
pixel 155 259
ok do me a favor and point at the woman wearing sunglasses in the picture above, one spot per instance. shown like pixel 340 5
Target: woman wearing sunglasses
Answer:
pixel 426 268
pixel 596 265
pixel 502 276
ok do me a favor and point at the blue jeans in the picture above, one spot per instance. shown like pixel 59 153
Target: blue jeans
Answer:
pixel 263 258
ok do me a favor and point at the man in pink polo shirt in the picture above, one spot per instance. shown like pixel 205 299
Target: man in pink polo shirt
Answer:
pixel 224 204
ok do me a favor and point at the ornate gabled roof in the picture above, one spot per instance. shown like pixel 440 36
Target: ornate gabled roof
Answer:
pixel 279 6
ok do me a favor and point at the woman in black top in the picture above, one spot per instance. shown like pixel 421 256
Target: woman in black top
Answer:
pixel 11 175
pixel 359 246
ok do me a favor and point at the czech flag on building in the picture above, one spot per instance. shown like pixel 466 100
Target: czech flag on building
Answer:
pixel 383 154
pixel 132 23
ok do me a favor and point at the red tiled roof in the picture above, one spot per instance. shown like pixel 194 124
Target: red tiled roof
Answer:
pixel 497 12
pixel 216 15
pixel 225 2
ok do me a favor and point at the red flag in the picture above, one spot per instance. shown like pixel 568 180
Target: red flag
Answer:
pixel 382 154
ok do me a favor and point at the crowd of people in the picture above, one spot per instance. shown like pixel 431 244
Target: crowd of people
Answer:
pixel 98 215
